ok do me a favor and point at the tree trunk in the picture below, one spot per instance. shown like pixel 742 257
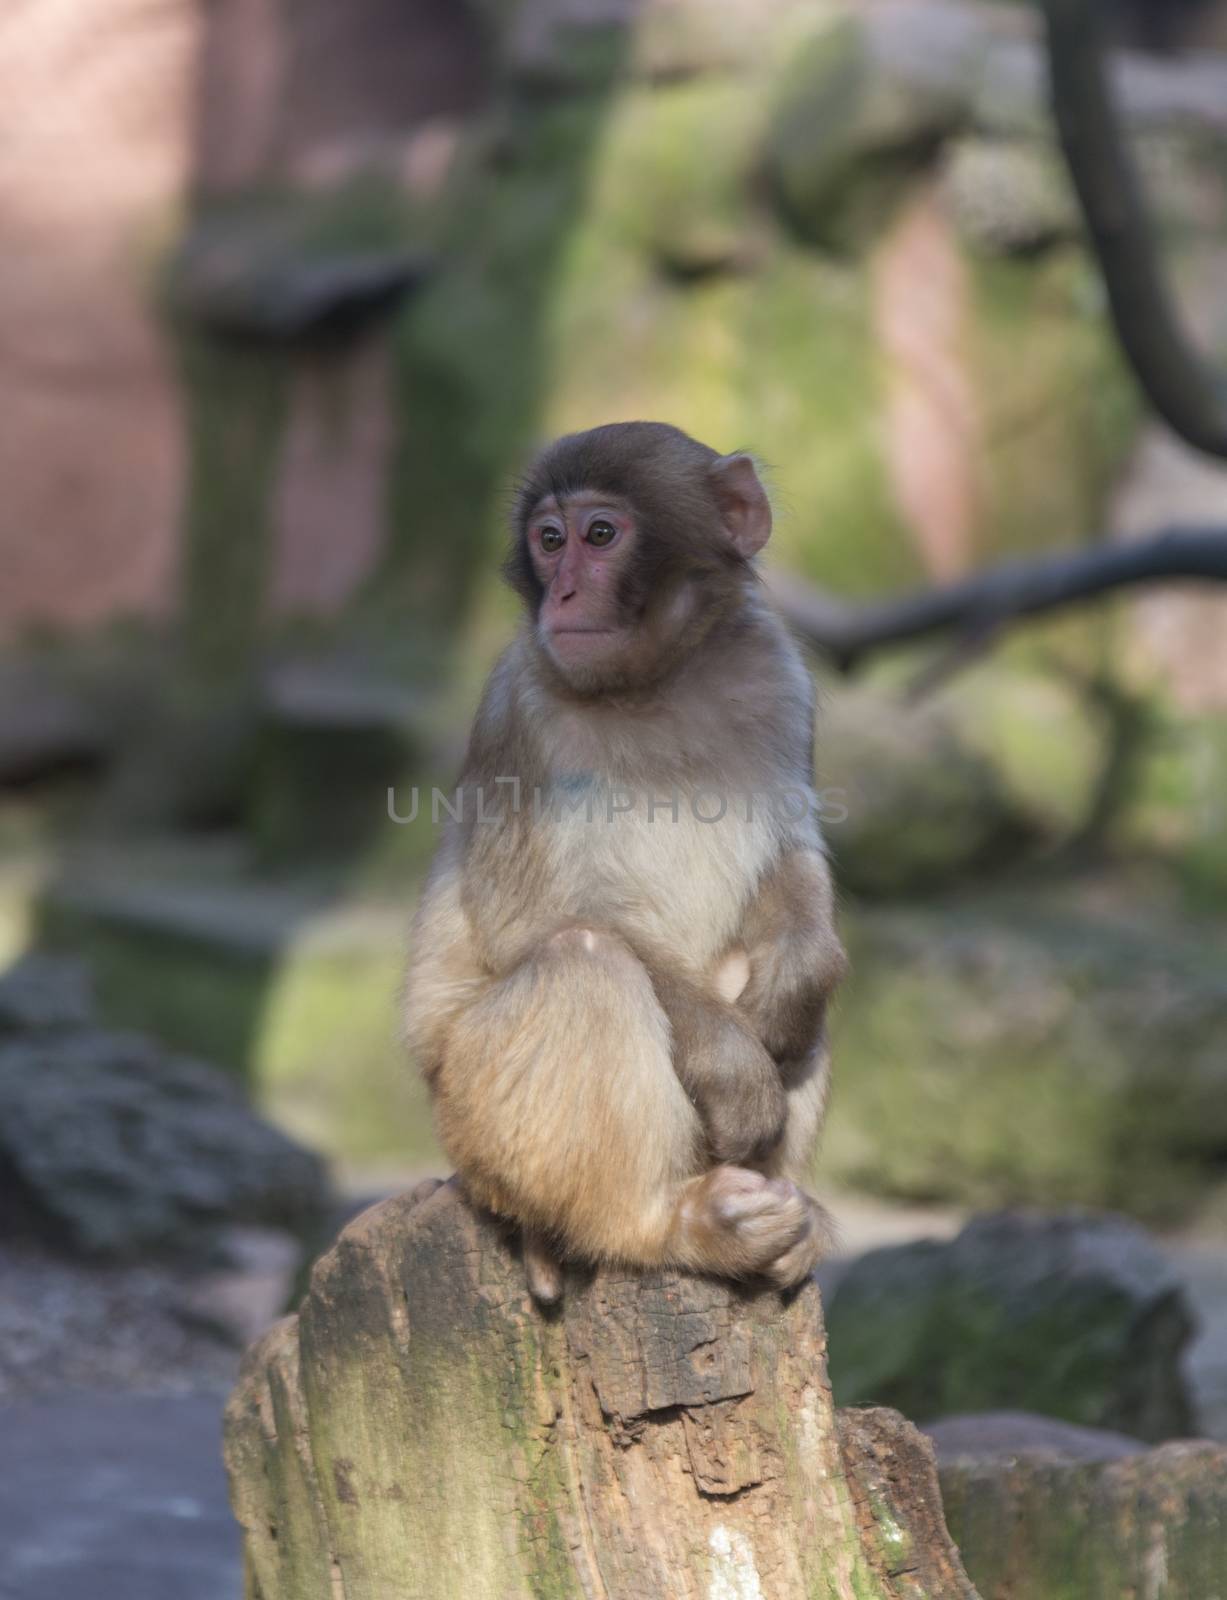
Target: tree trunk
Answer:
pixel 420 1431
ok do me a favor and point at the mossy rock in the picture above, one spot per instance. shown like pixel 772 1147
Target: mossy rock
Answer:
pixel 554 46
pixel 1018 1048
pixel 1010 197
pixel 1040 1526
pixel 1069 1316
pixel 271 979
pixel 910 804
pixel 674 172
pixel 848 137
pixel 1041 737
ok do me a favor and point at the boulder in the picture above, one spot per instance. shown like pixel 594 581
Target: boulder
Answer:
pixel 1033 1046
pixel 910 805
pixel 848 135
pixel 1075 1317
pixel 112 1147
pixel 1010 197
pixel 42 993
pixel 1057 1517
pixel 1004 1435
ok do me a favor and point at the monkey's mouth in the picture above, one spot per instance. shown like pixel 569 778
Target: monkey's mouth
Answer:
pixel 578 646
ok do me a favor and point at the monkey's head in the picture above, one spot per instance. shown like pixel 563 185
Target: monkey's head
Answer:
pixel 631 542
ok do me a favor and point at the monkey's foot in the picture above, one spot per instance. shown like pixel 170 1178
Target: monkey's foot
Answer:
pixel 741 1223
pixel 424 1189
pixel 542 1270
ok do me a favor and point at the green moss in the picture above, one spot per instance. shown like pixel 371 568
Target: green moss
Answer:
pixel 471 361
pixel 190 996
pixel 673 176
pixel 1011 1052
pixel 305 1008
pixel 1037 731
pixel 327 1057
pixel 236 399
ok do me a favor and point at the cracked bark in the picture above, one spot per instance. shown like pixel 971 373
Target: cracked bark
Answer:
pixel 420 1431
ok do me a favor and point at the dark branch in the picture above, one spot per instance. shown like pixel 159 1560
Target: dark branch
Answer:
pixel 980 605
pixel 1183 390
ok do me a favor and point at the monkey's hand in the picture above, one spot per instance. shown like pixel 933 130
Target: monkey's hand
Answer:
pixel 785 1001
pixel 794 955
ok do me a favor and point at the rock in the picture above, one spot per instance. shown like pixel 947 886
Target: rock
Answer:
pixel 995 1435
pixel 42 993
pixel 114 1148
pixel 1031 1046
pixel 246 1296
pixel 911 805
pixel 267 289
pixel 1042 1526
pixel 421 1429
pixel 574 46
pixel 1010 197
pixel 47 728
pixel 848 135
pixel 331 745
pixel 1075 1317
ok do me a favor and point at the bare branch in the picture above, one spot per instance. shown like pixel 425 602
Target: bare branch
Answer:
pixel 976 606
pixel 1180 385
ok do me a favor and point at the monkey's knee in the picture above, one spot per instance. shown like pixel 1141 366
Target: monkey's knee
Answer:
pixel 580 939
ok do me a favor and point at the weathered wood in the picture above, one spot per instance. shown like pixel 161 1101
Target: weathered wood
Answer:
pixel 420 1431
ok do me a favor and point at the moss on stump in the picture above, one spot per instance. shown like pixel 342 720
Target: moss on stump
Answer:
pixel 421 1430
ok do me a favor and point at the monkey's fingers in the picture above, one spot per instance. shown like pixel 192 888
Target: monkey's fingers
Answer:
pixel 796 1263
pixel 743 1222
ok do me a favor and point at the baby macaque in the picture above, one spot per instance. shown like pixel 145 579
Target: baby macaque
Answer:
pixel 624 951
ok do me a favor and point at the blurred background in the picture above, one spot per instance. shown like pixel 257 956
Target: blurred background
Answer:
pixel 287 294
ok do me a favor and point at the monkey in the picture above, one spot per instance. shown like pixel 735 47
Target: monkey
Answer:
pixel 625 946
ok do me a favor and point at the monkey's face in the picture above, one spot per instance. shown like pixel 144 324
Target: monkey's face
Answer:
pixel 583 549
pixel 631 542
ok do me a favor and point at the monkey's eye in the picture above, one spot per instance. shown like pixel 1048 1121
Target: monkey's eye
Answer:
pixel 551 539
pixel 601 533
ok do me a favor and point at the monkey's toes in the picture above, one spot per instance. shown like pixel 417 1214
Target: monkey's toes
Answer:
pixel 544 1274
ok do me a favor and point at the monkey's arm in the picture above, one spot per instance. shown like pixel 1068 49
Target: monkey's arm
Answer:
pixel 446 974
pixel 794 953
pixel 731 1079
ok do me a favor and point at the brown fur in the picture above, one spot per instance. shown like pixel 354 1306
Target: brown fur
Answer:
pixel 622 1020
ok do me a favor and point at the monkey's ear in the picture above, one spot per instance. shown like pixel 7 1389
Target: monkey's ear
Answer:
pixel 744 506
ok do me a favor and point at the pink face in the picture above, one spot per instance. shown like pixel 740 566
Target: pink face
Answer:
pixel 578 550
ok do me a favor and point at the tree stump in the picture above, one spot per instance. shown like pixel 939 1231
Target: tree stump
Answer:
pixel 421 1431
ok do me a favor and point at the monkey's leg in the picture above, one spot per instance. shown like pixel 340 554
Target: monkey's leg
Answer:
pixel 728 1074
pixel 557 1099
